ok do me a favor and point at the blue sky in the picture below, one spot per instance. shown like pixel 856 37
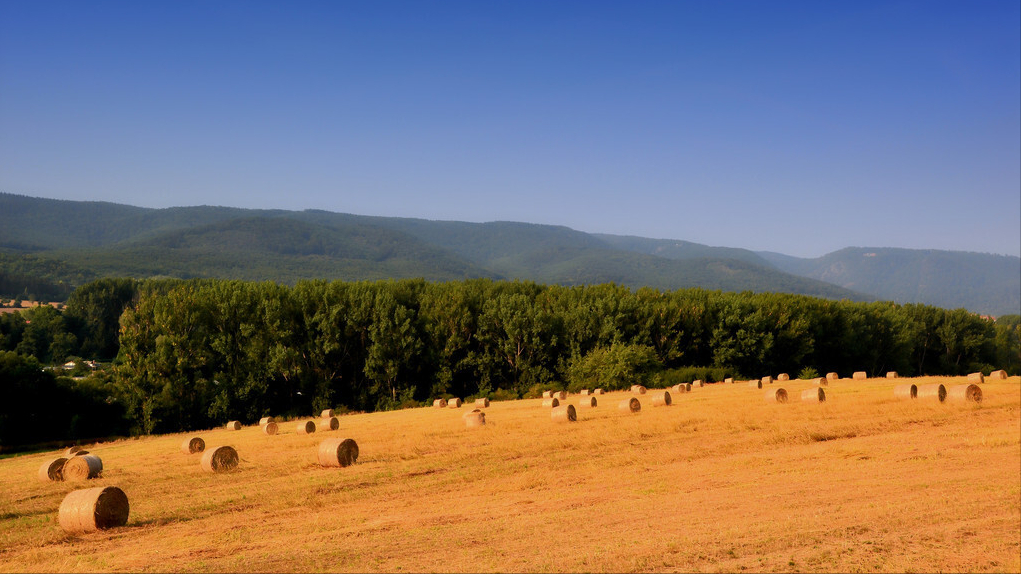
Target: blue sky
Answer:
pixel 798 127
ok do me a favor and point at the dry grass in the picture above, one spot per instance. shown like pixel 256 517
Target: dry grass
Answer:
pixel 720 481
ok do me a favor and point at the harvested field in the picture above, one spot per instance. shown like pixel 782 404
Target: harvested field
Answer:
pixel 722 481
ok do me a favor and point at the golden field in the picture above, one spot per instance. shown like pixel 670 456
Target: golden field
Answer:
pixel 722 480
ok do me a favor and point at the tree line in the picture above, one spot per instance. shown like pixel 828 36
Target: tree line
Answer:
pixel 190 354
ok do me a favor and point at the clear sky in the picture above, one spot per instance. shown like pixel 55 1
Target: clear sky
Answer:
pixel 798 127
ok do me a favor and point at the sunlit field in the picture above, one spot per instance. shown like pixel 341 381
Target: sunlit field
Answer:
pixel 721 480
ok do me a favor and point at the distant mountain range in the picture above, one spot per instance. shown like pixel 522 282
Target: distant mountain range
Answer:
pixel 47 247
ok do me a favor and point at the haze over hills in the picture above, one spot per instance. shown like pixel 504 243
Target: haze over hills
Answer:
pixel 60 244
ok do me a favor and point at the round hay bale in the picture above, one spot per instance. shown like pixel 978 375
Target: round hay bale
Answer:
pixel 83 467
pixel 756 384
pixel 638 389
pixel 470 413
pixel 976 378
pixel 729 380
pixel 662 400
pixel 767 380
pixel 306 427
pixel 440 403
pixel 597 392
pixel 483 402
pixel 687 387
pixel 969 392
pixel 264 420
pixel 326 414
pixel 234 425
pixel 821 381
pixel 338 452
pixel 587 402
pixel 892 375
pixel 698 383
pixel 630 405
pixel 475 419
pixel 584 392
pixel 92 509
pixel 220 459
pixel 73 450
pixel 860 376
pixel 832 376
pixel 329 424
pixel 547 394
pixel 52 470
pixel 270 428
pixel 778 395
pixel 193 445
pixel 564 414
pixel 1001 374
pixel 562 395
pixel 909 391
pixel 551 402
pixel 454 403
pixel 679 388
pixel 783 377
pixel 814 395
pixel 934 390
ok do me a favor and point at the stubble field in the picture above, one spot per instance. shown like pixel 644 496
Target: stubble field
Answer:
pixel 721 480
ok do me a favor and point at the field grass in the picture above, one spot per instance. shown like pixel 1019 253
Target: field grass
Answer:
pixel 721 480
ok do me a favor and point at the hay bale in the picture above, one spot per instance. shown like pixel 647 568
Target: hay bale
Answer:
pixel 92 509
pixel 234 425
pixel 193 445
pixel 265 420
pixel 440 403
pixel 687 387
pixel 338 452
pixel 584 392
pixel 52 470
pixel 562 395
pixel 1001 374
pixel 74 450
pixel 832 376
pixel 328 424
pixel 934 390
pixel 892 375
pixel 326 414
pixel 475 419
pixel 630 405
pixel 679 388
pixel 551 402
pixel 483 402
pixel 270 428
pixel 969 392
pixel 778 395
pixel 783 377
pixel 662 400
pixel 814 395
pixel 976 378
pixel 564 414
pixel 767 380
pixel 221 459
pixel 470 413
pixel 638 389
pixel 306 427
pixel 756 384
pixel 547 394
pixel 729 380
pixel 905 391
pixel 821 381
pixel 860 376
pixel 83 467
pixel 454 403
pixel 587 402
pixel 597 392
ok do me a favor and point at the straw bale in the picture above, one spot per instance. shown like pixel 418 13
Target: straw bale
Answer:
pixel 821 381
pixel 454 403
pixel 638 389
pixel 908 391
pixel 562 395
pixel 92 509
pixel 729 380
pixel 338 452
pixel 860 376
pixel 756 384
pixel 969 392
pixel 564 414
pixel 193 445
pixel 778 395
pixel 630 405
pixel 934 390
pixel 305 427
pixel 551 402
pixel 698 383
pixel 234 425
pixel 597 392
pixel 52 469
pixel 783 377
pixel 816 394
pixel 584 392
pixel 687 387
pixel 679 388
pixel 83 467
pixel 767 380
pixel 475 419
pixel 329 424
pixel 220 459
pixel 892 375
pixel 832 376
pixel 661 400
pixel 440 403
pixel 73 450
pixel 483 402
pixel 1001 374
pixel 587 402
pixel 976 378
pixel 270 428
pixel 326 414
pixel 547 394
pixel 471 413
pixel 265 420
